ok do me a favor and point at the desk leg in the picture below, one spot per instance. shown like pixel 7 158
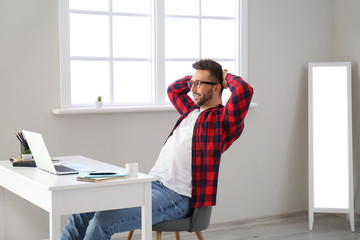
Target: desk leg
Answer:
pixel 2 213
pixel 146 213
pixel 54 217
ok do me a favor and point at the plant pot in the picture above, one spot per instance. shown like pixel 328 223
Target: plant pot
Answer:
pixel 26 157
pixel 99 104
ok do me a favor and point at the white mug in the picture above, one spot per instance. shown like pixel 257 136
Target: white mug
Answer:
pixel 132 169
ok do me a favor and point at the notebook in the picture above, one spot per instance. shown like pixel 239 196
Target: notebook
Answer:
pixel 42 156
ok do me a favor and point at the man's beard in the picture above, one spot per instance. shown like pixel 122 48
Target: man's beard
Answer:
pixel 203 98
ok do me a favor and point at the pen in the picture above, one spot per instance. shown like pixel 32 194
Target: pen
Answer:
pixel 22 140
pixel 102 173
pixel 19 138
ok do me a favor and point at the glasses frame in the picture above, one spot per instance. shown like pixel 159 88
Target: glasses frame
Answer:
pixel 198 83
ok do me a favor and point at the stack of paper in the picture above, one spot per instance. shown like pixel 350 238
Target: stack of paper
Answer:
pixel 99 176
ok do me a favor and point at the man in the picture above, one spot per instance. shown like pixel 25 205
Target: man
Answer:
pixel 188 163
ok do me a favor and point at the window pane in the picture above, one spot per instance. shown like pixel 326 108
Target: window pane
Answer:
pixel 182 7
pixel 132 6
pixel 132 82
pixel 89 35
pixel 89 79
pixel 92 5
pixel 229 65
pixel 175 70
pixel 132 37
pixel 218 39
pixel 223 8
pixel 181 38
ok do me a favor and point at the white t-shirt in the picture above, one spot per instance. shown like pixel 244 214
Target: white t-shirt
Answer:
pixel 173 166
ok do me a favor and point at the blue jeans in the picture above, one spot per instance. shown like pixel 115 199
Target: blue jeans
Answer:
pixel 166 205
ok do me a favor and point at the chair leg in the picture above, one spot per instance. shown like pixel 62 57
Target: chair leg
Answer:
pixel 200 236
pixel 129 236
pixel 158 235
pixel 177 235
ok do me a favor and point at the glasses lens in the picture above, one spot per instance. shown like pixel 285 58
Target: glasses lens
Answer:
pixel 197 84
pixel 190 84
pixel 194 83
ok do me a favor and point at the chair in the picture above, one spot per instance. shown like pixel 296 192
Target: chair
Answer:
pixel 198 221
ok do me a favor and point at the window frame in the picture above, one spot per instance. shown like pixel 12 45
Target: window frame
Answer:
pixel 158 61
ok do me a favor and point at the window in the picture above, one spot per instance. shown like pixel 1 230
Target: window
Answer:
pixel 129 51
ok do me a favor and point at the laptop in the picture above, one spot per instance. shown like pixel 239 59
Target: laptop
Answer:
pixel 42 156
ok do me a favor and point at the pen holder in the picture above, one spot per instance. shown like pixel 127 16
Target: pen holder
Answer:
pixel 22 149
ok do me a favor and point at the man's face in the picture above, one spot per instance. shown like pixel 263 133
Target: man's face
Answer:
pixel 204 93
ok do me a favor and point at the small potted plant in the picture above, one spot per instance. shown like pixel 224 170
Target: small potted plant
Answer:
pixel 99 103
pixel 26 155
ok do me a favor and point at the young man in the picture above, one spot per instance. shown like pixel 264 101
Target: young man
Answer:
pixel 188 164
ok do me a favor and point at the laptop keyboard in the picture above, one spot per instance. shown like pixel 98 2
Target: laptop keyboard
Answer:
pixel 61 168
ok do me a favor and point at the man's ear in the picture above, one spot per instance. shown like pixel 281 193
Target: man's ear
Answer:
pixel 217 88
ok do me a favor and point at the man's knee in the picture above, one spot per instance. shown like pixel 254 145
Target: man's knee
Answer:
pixel 107 223
pixel 100 220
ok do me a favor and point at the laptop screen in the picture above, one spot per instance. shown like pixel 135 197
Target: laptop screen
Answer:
pixel 39 151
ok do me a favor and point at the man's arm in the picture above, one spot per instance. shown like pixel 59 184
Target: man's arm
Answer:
pixel 178 95
pixel 237 106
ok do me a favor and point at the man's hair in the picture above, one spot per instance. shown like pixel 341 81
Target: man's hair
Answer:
pixel 215 69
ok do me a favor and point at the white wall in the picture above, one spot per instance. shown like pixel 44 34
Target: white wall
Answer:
pixel 272 169
pixel 264 173
pixel 347 48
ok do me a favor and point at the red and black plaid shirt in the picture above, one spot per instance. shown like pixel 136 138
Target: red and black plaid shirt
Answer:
pixel 214 131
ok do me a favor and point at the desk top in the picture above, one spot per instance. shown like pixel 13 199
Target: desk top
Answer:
pixel 52 182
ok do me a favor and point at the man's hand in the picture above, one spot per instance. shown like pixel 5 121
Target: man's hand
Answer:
pixel 224 83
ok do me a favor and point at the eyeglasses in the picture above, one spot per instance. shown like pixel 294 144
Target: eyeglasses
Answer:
pixel 198 83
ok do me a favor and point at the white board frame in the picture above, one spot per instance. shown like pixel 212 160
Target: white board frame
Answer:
pixel 345 204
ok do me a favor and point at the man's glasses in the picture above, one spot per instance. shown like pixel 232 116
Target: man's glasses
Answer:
pixel 198 83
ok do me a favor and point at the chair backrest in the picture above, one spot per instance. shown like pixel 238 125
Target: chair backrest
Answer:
pixel 200 219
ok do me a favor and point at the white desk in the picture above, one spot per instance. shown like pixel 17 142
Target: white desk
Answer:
pixel 62 195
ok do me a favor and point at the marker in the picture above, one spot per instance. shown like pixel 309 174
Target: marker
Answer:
pixel 102 173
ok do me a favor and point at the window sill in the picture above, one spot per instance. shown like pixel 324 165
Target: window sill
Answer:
pixel 117 109
pixel 94 110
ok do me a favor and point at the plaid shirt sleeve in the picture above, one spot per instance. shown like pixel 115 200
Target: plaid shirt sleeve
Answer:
pixel 236 108
pixel 177 93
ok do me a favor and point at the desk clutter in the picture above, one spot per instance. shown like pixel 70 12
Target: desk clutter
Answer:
pixel 26 159
pixel 89 175
pixel 18 162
